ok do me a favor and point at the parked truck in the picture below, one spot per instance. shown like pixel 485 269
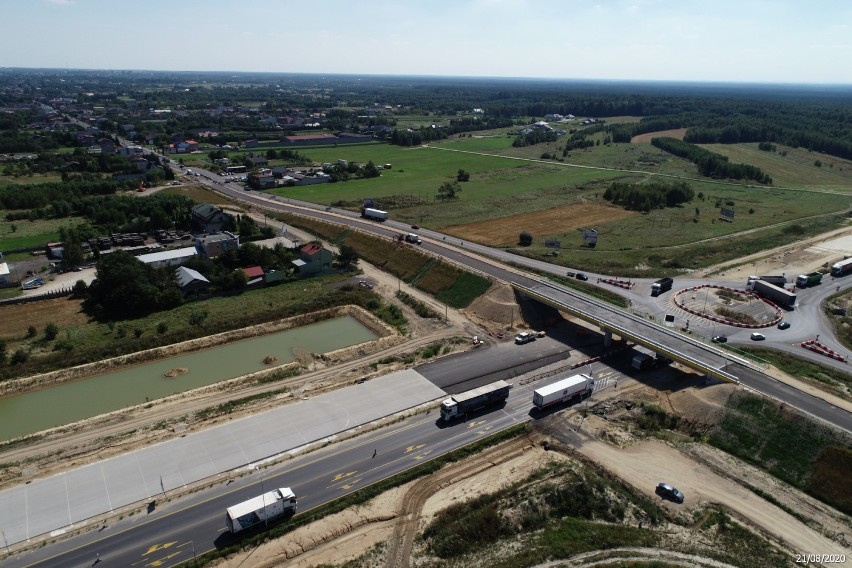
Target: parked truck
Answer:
pixel 777 280
pixel 806 280
pixel 661 285
pixel 771 292
pixel 842 267
pixel 577 386
pixel 374 214
pixel 260 509
pixel 459 405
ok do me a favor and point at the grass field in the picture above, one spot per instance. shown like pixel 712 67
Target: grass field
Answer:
pixel 28 234
pixel 788 445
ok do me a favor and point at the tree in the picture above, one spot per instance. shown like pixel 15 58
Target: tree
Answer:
pixel 525 239
pixel 462 175
pixel 448 190
pixel 3 352
pixel 347 257
pixel 51 330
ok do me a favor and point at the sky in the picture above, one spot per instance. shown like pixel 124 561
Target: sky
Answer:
pixel 777 41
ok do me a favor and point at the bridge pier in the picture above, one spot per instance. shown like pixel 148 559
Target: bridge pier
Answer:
pixel 608 338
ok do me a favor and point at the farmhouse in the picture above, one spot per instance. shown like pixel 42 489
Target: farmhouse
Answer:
pixel 313 259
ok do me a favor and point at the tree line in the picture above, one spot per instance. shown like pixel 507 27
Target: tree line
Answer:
pixel 709 163
pixel 648 196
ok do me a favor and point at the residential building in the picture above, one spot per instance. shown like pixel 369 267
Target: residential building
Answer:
pixel 208 217
pixel 191 281
pixel 313 259
pixel 212 246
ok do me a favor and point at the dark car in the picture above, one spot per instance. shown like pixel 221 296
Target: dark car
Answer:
pixel 415 227
pixel 720 339
pixel 581 276
pixel 572 274
pixel 784 325
pixel 666 491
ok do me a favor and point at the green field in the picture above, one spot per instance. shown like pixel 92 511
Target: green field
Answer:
pixel 30 234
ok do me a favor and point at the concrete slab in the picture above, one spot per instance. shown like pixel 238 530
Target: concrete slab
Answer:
pixel 52 503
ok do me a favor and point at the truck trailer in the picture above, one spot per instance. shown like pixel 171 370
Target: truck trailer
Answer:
pixel 661 285
pixel 578 386
pixel 374 214
pixel 777 279
pixel 771 292
pixel 263 508
pixel 811 279
pixel 842 267
pixel 459 405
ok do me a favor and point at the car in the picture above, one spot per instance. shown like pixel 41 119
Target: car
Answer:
pixel 415 227
pixel 524 337
pixel 666 491
pixel 571 274
pixel 755 336
pixel 783 325
pixel 581 276
pixel 720 339
pixel 365 284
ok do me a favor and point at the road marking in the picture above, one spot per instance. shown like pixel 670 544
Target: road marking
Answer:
pixel 485 430
pixel 423 455
pixel 475 423
pixel 340 476
pixel 157 547
pixel 161 561
pixel 412 448
pixel 349 486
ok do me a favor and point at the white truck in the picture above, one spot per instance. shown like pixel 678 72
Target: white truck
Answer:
pixel 577 386
pixel 262 508
pixel 459 405
pixel 413 238
pixel 374 214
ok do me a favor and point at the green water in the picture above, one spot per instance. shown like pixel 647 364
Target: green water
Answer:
pixel 63 404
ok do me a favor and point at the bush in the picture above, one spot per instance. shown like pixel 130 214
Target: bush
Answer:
pixel 525 239
pixel 51 331
pixel 20 356
pixel 162 327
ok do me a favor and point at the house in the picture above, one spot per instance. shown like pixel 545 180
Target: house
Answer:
pixel 131 151
pixel 254 275
pixel 259 161
pixel 212 246
pixel 313 259
pixel 208 217
pixel 4 272
pixel 191 281
pixel 261 180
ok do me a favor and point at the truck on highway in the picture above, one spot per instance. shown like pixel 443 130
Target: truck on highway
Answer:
pixel 374 214
pixel 811 279
pixel 413 239
pixel 777 295
pixel 842 267
pixel 577 386
pixel 661 285
pixel 778 280
pixel 260 509
pixel 459 405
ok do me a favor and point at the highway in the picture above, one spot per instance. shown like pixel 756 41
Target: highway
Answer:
pixel 472 256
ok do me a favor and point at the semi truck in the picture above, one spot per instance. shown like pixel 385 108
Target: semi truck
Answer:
pixel 842 267
pixel 374 214
pixel 778 279
pixel 459 405
pixel 261 509
pixel 661 285
pixel 811 279
pixel 577 386
pixel 771 292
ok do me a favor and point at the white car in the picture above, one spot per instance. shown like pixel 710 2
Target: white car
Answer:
pixel 524 337
pixel 755 336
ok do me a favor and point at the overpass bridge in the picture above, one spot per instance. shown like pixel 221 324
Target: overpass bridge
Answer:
pixel 685 350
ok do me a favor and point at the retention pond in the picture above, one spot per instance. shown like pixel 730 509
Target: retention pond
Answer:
pixel 66 403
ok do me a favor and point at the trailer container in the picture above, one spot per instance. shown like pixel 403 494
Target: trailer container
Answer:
pixel 578 386
pixel 262 508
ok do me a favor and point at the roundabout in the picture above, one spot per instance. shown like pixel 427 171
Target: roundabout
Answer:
pixel 728 306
